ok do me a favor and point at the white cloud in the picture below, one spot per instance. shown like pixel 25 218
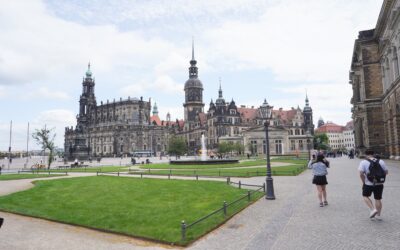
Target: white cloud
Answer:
pixel 175 112
pixel 2 91
pixel 164 84
pixel 298 40
pixel 57 47
pixel 45 93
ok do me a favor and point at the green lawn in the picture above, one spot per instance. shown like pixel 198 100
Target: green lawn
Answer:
pixel 148 208
pixel 238 172
pixel 89 169
pixel 6 177
pixel 243 163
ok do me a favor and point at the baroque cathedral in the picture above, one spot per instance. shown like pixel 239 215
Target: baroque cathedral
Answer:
pixel 132 127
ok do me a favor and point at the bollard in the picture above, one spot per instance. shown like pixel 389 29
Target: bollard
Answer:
pixel 169 176
pixel 228 180
pixel 240 185
pixel 257 172
pixel 224 206
pixel 264 187
pixel 170 171
pixel 66 173
pixel 118 173
pixel 248 195
pixel 141 175
pixel 149 170
pixel 97 173
pixel 49 172
pixel 197 177
pixel 183 228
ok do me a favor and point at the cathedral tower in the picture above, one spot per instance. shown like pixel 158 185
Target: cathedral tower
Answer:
pixel 87 101
pixel 193 95
pixel 308 117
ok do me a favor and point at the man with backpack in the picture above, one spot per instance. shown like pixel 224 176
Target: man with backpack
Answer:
pixel 373 174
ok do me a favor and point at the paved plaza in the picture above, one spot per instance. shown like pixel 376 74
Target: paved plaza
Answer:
pixel 293 221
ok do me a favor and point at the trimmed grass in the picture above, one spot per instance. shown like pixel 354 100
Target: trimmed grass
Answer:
pixel 245 163
pixel 292 170
pixel 6 177
pixel 89 169
pixel 148 208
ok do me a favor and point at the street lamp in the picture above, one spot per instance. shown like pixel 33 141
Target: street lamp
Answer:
pixel 266 115
pixel 308 134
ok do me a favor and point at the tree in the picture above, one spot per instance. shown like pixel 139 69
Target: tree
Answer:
pixel 239 148
pixel 177 146
pixel 45 138
pixel 321 141
pixel 224 147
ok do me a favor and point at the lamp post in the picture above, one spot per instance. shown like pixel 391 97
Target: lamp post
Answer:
pixel 308 134
pixel 266 114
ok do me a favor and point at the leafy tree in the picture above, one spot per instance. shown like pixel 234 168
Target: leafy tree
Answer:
pixel 177 146
pixel 45 138
pixel 239 148
pixel 321 141
pixel 224 147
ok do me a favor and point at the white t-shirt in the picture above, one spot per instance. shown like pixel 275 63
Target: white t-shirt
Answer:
pixel 364 168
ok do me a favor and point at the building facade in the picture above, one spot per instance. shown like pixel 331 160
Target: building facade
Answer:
pixel 126 127
pixel 114 128
pixel 374 77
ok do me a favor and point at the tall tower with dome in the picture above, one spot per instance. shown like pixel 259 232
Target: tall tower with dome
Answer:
pixel 193 95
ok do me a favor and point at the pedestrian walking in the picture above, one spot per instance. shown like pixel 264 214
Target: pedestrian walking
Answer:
pixel 373 173
pixel 319 168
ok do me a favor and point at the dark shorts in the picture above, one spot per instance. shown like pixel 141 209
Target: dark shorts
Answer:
pixel 377 190
pixel 319 180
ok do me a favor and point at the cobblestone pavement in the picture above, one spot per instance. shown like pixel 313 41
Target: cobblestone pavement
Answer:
pixel 293 221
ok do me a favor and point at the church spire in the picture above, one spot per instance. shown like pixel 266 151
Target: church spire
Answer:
pixel 155 109
pixel 88 72
pixel 220 89
pixel 307 102
pixel 193 49
pixel 193 71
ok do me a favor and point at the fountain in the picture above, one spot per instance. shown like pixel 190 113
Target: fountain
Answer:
pixel 203 148
pixel 203 157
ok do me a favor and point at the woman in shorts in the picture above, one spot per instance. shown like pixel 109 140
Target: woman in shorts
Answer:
pixel 319 168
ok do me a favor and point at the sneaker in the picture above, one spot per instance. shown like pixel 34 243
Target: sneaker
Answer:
pixel 325 203
pixel 378 217
pixel 373 213
pixel 321 204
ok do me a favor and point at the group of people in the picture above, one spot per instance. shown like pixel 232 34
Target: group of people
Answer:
pixel 372 171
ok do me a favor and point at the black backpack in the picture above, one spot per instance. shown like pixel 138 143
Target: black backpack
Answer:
pixel 376 173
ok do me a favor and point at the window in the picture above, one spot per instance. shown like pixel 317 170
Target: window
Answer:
pixel 292 145
pixel 301 147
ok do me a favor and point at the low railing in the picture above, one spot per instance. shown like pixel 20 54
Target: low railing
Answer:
pixel 220 173
pixel 224 209
pixel 49 172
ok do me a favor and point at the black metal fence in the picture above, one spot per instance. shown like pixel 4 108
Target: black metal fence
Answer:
pixel 223 209
pixel 217 173
pixel 35 172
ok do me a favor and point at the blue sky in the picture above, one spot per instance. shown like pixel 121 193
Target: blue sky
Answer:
pixel 273 49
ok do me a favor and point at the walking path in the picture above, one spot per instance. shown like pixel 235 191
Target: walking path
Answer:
pixel 293 221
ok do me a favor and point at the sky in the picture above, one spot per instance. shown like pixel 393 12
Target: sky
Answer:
pixel 274 49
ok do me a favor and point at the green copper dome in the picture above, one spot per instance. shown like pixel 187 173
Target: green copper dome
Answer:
pixel 88 72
